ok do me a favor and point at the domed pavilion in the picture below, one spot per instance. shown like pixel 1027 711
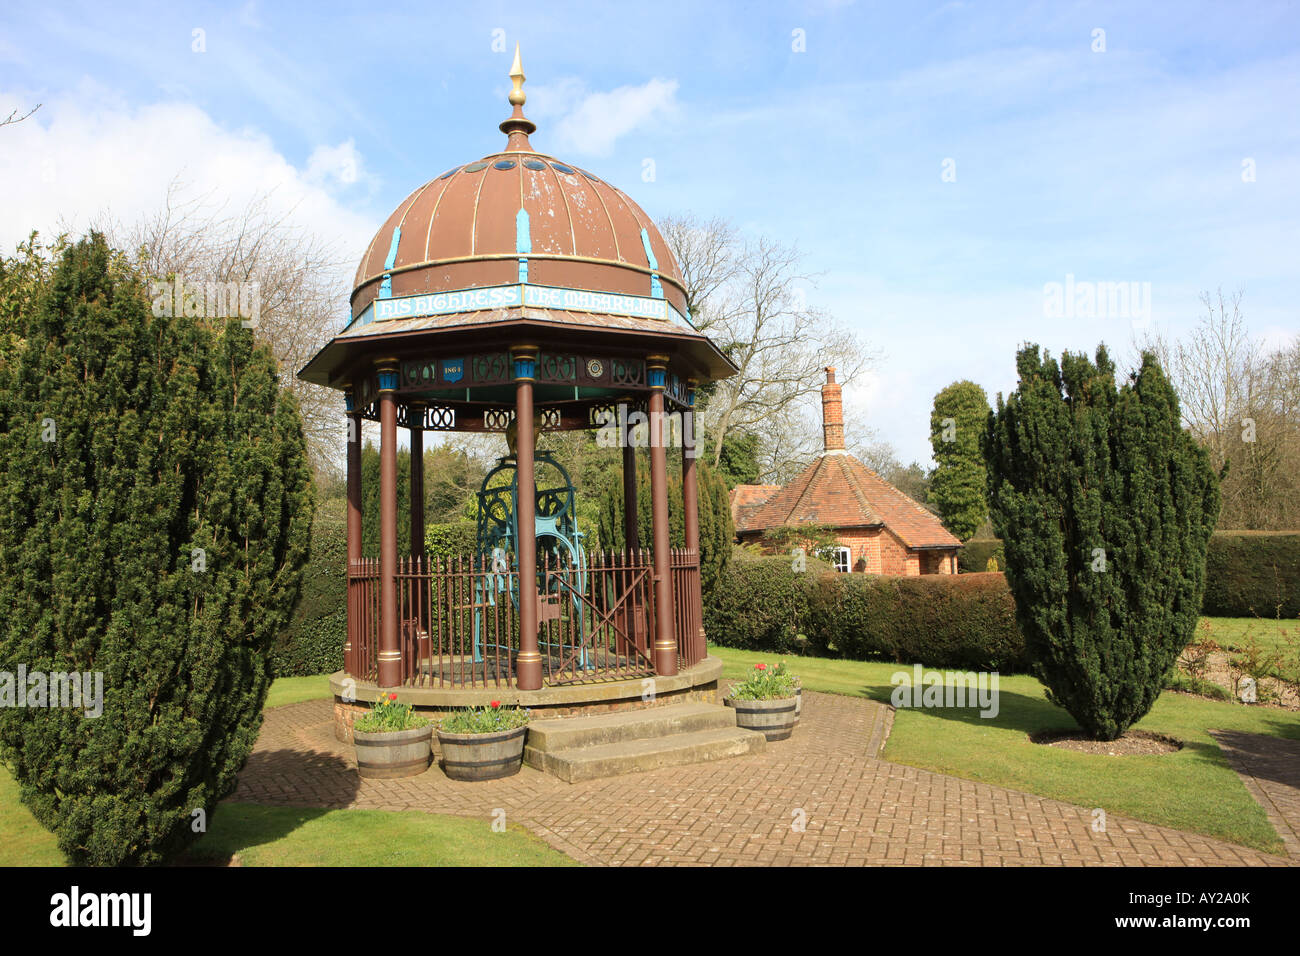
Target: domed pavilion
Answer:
pixel 513 289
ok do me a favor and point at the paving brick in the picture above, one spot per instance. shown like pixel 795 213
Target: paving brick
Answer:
pixel 860 810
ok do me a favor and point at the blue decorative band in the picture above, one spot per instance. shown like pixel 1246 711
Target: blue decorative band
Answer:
pixel 349 402
pixel 388 381
pixel 655 377
pixel 525 367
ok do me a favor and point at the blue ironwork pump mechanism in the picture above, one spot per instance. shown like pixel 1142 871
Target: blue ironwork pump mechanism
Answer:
pixel 561 557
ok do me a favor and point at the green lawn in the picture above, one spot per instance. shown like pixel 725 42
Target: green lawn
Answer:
pixel 1279 638
pixel 1193 789
pixel 282 836
pixel 23 841
pixel 293 690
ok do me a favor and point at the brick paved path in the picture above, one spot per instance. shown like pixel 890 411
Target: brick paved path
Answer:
pixel 858 809
pixel 1270 769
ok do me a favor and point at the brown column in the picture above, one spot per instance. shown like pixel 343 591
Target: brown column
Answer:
pixel 415 421
pixel 665 650
pixel 354 528
pixel 691 512
pixel 390 652
pixel 690 489
pixel 528 666
pixel 630 533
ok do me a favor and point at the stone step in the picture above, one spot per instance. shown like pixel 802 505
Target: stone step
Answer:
pixel 567 733
pixel 636 755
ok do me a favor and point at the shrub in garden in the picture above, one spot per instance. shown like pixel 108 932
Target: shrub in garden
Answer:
pixel 714 511
pixel 958 481
pixel 965 621
pixel 975 553
pixel 1105 507
pixel 313 641
pixel 940 620
pixel 761 603
pixel 155 510
pixel 1249 574
pixel 454 539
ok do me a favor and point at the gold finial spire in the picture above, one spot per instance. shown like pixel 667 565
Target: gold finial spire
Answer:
pixel 517 127
pixel 517 78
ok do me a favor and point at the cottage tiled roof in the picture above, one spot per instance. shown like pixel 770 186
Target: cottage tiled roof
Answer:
pixel 840 491
pixel 745 499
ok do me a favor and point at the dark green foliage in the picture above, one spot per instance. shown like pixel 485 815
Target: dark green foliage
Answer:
pixel 451 481
pixel 313 641
pixel 942 620
pixel 965 621
pixel 454 539
pixel 1251 574
pixel 370 502
pixel 974 555
pixel 170 437
pixel 1247 573
pixel 716 531
pixel 1105 508
pixel 957 486
pixel 738 461
pixel 761 604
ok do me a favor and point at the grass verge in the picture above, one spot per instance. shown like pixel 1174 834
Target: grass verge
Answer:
pixel 1194 789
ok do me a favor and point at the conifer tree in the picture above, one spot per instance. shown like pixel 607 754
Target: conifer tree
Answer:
pixel 1105 507
pixel 155 513
pixel 714 512
pixel 957 486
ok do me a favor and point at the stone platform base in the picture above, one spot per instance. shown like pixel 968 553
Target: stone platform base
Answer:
pixel 698 684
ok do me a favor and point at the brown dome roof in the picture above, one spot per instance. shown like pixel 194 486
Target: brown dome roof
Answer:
pixel 463 229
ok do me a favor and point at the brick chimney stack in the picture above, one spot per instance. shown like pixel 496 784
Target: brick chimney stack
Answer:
pixel 832 414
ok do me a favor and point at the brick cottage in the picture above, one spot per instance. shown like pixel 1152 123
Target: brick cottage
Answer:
pixel 880 529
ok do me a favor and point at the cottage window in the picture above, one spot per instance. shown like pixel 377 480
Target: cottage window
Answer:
pixel 843 559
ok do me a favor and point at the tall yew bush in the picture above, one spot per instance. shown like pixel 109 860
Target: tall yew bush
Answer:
pixel 155 512
pixel 1105 507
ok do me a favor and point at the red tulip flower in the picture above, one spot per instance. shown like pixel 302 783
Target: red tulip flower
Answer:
pixel 760 667
pixel 392 697
pixel 496 704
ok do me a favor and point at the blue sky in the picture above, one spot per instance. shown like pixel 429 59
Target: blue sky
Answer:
pixel 1117 165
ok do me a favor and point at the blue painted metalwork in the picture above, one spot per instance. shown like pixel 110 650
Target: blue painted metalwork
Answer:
pixel 656 287
pixel 386 287
pixel 523 242
pixel 388 381
pixel 559 545
pixel 525 367
pixel 655 377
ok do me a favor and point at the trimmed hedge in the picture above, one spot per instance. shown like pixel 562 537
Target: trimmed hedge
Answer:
pixel 451 540
pixel 973 558
pixel 1252 573
pixel 1247 573
pixel 313 641
pixel 951 621
pixel 965 621
pixel 761 604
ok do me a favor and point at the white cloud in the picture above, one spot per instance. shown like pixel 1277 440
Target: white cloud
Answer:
pixel 88 157
pixel 590 123
pixel 340 164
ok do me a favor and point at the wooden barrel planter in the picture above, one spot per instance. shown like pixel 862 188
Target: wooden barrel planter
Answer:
pixel 394 753
pixel 482 756
pixel 774 719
